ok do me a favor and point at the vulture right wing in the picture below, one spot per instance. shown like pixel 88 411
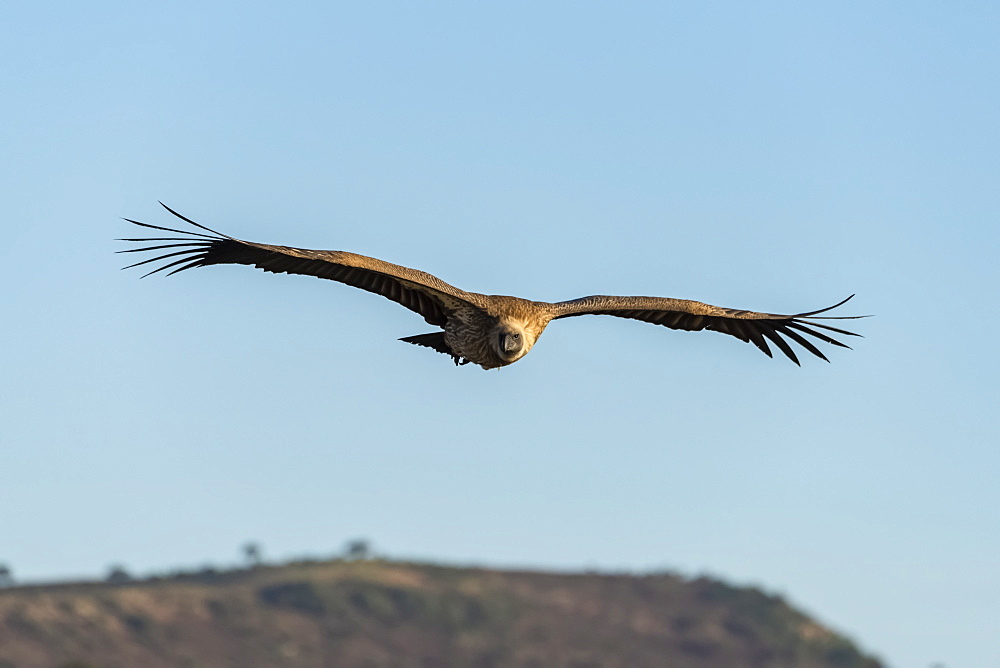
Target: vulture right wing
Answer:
pixel 416 290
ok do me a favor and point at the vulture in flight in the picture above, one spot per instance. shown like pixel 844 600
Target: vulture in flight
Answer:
pixel 489 330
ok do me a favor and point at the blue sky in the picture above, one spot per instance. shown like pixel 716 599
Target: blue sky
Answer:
pixel 774 157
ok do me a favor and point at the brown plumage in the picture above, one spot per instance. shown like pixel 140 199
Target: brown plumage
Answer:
pixel 489 330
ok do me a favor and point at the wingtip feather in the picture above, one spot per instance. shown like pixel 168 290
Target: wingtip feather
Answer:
pixel 188 220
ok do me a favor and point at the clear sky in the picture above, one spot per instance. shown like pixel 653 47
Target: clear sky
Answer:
pixel 769 156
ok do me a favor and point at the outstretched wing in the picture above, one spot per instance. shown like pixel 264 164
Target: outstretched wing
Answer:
pixel 757 328
pixel 416 290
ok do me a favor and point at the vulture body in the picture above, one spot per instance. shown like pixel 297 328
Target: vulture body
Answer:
pixel 489 330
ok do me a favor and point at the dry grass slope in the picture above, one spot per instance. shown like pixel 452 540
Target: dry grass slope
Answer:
pixel 374 614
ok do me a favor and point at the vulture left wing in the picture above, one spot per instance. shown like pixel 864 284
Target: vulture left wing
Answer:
pixel 416 290
pixel 757 328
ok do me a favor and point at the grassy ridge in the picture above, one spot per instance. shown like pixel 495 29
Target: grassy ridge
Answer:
pixel 368 614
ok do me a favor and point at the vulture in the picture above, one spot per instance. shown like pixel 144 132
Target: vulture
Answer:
pixel 492 331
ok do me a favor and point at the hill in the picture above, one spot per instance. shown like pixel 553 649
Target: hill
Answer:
pixel 373 614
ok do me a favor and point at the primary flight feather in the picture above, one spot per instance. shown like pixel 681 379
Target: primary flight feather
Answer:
pixel 489 330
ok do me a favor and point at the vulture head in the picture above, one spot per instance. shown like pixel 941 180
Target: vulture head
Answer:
pixel 510 341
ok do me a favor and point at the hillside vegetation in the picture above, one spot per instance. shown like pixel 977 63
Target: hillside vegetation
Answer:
pixel 374 614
